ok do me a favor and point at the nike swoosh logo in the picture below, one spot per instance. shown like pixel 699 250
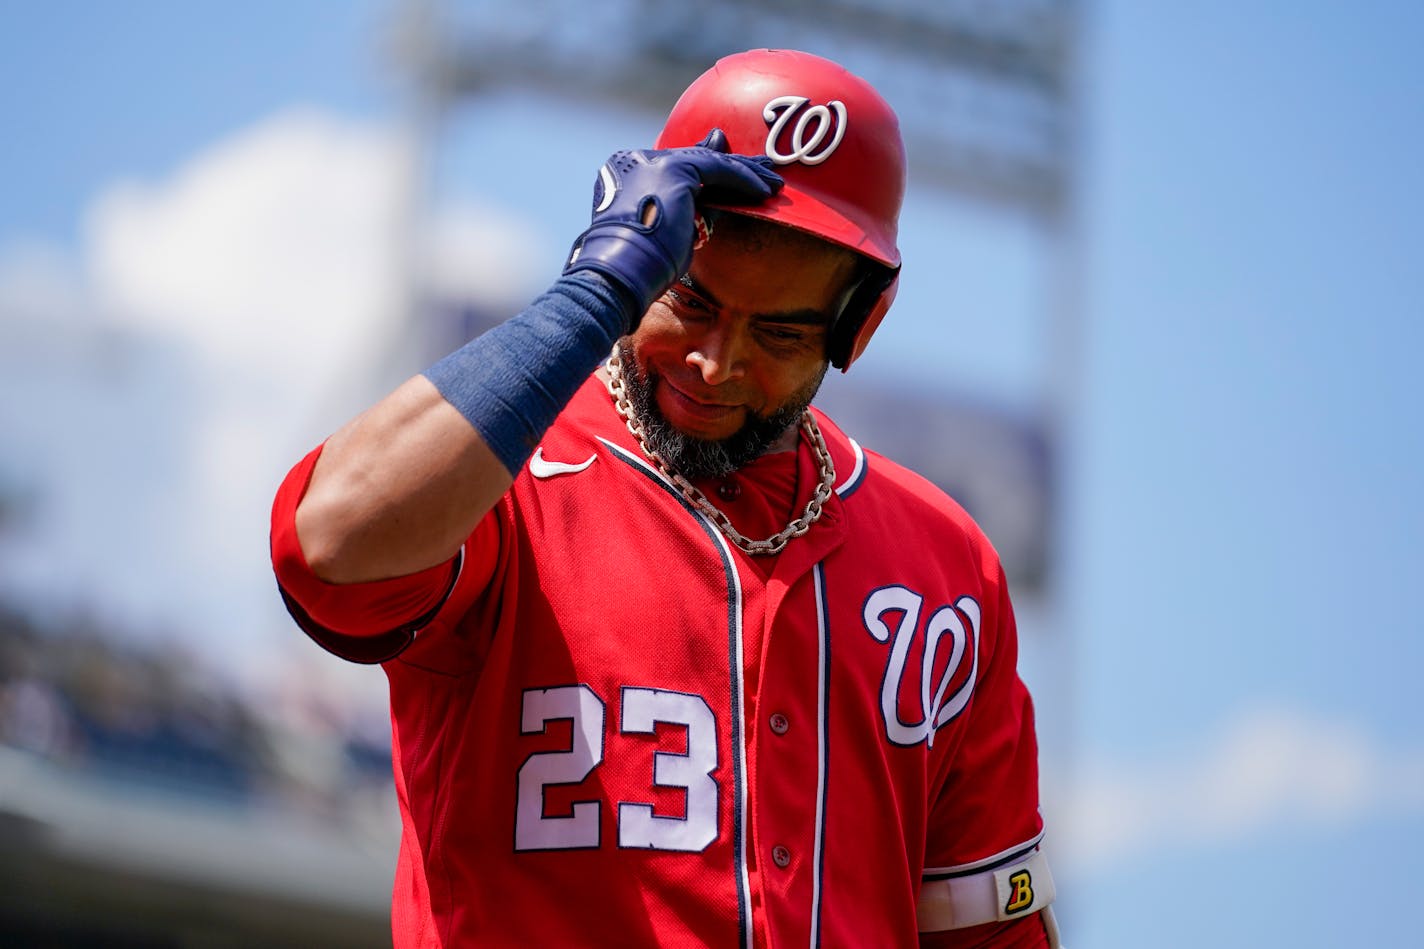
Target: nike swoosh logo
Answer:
pixel 540 468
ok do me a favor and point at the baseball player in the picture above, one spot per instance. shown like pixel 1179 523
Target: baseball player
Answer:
pixel 674 661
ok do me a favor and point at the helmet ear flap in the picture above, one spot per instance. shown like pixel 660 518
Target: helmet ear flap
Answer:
pixel 868 303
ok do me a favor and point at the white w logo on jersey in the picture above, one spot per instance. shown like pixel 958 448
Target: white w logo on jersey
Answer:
pixel 960 623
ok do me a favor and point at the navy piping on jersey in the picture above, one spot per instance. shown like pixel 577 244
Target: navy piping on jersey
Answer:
pixel 857 473
pixel 823 746
pixel 371 650
pixel 1003 858
pixel 734 646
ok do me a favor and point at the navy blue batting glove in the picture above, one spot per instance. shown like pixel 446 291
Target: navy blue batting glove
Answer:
pixel 645 213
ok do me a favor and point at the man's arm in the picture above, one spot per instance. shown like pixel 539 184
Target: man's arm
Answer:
pixel 1029 932
pixel 399 488
pixel 987 881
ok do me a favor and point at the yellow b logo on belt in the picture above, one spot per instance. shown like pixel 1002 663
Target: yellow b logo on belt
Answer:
pixel 1021 896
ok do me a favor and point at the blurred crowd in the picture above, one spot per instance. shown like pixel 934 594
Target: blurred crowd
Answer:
pixel 88 700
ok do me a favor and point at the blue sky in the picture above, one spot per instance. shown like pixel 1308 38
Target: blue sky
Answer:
pixel 1242 522
pixel 1256 293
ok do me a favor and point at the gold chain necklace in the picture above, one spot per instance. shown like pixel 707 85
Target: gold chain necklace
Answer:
pixel 695 497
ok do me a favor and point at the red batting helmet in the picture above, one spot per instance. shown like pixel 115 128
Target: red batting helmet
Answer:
pixel 835 141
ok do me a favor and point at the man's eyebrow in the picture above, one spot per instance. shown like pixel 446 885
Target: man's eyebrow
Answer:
pixel 795 317
pixel 802 317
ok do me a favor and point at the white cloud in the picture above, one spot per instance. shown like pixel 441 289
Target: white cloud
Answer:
pixel 215 325
pixel 39 283
pixel 288 248
pixel 1269 771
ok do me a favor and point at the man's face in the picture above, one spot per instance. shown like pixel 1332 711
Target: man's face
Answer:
pixel 726 361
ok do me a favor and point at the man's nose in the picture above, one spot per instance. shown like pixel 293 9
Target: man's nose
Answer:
pixel 718 354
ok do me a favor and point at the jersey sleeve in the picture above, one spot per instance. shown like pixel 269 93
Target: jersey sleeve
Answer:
pixel 1026 933
pixel 985 870
pixel 375 621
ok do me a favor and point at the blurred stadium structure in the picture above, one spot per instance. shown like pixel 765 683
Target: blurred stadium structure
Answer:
pixel 140 809
pixel 143 805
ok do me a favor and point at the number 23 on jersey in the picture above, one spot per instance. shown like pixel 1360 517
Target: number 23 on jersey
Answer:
pixel 639 826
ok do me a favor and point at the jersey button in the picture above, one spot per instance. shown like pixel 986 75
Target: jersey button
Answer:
pixel 729 490
pixel 780 856
pixel 780 723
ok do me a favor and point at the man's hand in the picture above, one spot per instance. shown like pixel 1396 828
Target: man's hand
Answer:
pixel 645 212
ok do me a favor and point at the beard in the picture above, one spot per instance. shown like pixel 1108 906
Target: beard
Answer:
pixel 699 458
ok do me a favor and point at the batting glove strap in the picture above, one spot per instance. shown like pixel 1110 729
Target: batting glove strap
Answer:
pixel 645 213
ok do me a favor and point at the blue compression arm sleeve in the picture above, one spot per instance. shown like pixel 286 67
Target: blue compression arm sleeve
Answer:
pixel 510 382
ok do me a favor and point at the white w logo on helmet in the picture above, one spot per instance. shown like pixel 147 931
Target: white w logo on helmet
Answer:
pixel 778 113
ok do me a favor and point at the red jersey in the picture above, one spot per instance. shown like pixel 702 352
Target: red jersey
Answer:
pixel 612 727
